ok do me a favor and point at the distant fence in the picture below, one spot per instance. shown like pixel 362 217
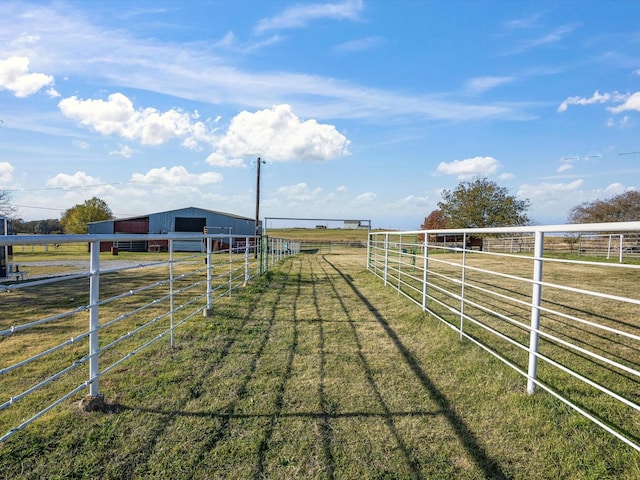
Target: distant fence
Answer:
pixel 617 246
pixel 54 327
pixel 540 300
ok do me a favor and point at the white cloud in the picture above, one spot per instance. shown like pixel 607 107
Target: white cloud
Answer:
pixel 525 22
pixel 124 151
pixel 625 122
pixel 469 168
pixel 300 15
pixel 359 45
pixel 14 77
pixel 6 173
pixel 631 103
pixel 81 144
pixel 278 135
pixel 564 167
pixel 176 176
pixel 547 189
pixel 230 42
pixel 218 160
pixel 117 116
pixel 552 200
pixel 482 84
pixel 551 38
pixel 612 190
pixel 366 197
pixel 299 192
pixel 227 41
pixel 68 41
pixel 628 102
pixel 412 201
pixel 597 97
pixel 78 179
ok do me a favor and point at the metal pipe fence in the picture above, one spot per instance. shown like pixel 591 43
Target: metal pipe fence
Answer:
pixel 61 333
pixel 567 322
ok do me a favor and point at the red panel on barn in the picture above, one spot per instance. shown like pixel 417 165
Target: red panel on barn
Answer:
pixel 134 225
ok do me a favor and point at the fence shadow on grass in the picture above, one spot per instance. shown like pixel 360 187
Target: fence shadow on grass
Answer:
pixel 169 416
pixel 483 461
pixel 324 413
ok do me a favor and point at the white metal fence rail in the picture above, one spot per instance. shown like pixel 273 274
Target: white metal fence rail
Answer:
pixel 566 320
pixel 113 312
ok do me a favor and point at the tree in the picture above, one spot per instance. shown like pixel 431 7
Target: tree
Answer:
pixel 76 219
pixel 6 209
pixel 624 207
pixel 49 226
pixel 481 204
pixel 435 221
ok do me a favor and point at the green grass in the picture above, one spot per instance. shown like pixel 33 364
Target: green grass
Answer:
pixel 317 371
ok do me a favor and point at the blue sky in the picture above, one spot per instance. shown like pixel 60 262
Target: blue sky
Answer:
pixel 362 109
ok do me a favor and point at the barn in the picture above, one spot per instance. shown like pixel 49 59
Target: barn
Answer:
pixel 184 220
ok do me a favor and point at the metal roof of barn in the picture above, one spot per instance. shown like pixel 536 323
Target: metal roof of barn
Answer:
pixel 232 215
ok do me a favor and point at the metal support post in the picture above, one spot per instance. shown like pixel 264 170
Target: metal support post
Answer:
pixel 230 265
pixel 386 258
pixel 246 260
pixel 536 296
pixel 209 310
pixel 94 323
pixel 399 261
pixel 425 271
pixel 171 305
pixel 462 279
pixel 621 244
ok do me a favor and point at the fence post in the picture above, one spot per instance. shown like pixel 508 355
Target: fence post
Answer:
pixel 94 299
pixel 386 257
pixel 231 265
pixel 264 254
pixel 536 296
pixel 425 270
pixel 399 273
pixel 209 310
pixel 171 305
pixel 462 279
pixel 621 244
pixel 246 260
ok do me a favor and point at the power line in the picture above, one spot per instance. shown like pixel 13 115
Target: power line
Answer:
pixel 64 209
pixel 39 208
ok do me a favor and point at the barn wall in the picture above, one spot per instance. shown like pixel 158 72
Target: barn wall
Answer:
pixel 106 227
pixel 164 222
pixel 134 225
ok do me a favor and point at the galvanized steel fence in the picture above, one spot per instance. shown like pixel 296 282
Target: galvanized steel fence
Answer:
pixel 567 320
pixel 61 334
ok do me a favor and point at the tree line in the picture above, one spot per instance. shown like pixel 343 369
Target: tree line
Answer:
pixel 485 204
pixel 73 221
pixel 480 203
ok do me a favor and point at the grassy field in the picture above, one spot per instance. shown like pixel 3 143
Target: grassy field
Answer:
pixel 317 371
pixel 320 235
